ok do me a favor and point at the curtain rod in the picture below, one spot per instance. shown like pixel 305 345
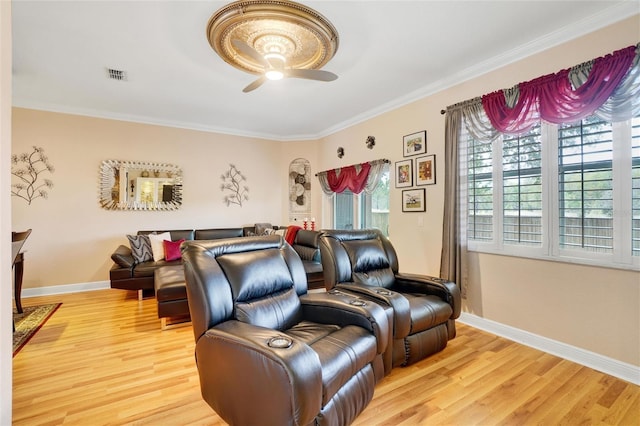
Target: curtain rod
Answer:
pixel 384 160
pixel 462 104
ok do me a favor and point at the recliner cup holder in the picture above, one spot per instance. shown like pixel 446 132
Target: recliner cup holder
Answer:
pixel 280 342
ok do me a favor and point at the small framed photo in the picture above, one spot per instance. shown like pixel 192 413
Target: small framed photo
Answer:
pixel 404 173
pixel 413 200
pixel 414 144
pixel 426 170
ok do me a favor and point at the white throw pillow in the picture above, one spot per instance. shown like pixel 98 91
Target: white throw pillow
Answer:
pixel 157 247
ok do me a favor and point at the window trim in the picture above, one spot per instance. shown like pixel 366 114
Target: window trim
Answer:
pixel 359 203
pixel 550 250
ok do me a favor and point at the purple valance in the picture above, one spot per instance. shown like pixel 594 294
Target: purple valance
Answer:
pixel 553 98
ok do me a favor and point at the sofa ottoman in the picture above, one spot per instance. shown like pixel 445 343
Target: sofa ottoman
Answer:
pixel 171 296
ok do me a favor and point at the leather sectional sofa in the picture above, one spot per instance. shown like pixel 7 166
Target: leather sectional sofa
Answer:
pixel 166 278
pixel 125 274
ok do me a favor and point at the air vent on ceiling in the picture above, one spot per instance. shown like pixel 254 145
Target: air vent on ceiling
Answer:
pixel 114 74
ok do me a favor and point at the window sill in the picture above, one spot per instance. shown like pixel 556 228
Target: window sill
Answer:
pixel 529 253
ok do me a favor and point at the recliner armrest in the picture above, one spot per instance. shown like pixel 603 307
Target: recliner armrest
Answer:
pixel 447 290
pixel 285 383
pixel 400 305
pixel 346 309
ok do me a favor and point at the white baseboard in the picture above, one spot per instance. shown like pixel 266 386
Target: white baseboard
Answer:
pixel 613 367
pixel 62 289
pixel 604 364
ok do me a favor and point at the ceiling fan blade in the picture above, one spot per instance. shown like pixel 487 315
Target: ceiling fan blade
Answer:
pixel 311 74
pixel 249 51
pixel 253 86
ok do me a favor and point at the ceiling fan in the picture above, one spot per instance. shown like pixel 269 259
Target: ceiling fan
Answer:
pixel 273 39
pixel 274 64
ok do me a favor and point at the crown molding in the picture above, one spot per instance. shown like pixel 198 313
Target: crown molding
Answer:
pixel 109 115
pixel 580 28
pixel 609 16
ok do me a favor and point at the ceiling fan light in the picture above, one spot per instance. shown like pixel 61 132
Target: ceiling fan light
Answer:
pixel 275 57
pixel 274 75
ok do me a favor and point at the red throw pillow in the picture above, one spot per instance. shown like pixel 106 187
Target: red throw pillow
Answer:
pixel 290 234
pixel 172 249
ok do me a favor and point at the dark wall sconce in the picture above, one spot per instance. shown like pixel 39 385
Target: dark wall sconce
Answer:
pixel 340 152
pixel 371 141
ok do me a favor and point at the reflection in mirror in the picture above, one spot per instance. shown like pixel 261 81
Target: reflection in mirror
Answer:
pixel 137 185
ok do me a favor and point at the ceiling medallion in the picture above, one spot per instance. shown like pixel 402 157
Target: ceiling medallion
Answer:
pixel 273 37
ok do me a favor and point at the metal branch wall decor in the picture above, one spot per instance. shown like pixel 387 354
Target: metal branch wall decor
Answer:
pixel 28 168
pixel 232 181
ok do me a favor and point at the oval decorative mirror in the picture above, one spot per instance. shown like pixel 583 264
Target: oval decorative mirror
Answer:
pixel 138 185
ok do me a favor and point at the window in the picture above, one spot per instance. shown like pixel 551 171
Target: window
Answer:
pixel 554 195
pixel 522 189
pixel 343 217
pixel 635 187
pixel 480 166
pixel 359 211
pixel 585 185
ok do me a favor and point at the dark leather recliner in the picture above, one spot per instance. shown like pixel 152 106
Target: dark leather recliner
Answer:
pixel 306 245
pixel 267 352
pixel 364 263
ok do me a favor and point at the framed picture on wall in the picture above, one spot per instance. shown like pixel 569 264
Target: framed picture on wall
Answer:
pixel 413 200
pixel 426 170
pixel 404 173
pixel 414 144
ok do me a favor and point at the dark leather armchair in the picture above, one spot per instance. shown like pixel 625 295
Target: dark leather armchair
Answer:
pixel 267 352
pixel 364 263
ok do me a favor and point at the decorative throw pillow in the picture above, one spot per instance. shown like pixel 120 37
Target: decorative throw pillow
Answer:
pixel 172 249
pixel 140 248
pixel 261 227
pixel 157 246
pixel 123 257
pixel 290 235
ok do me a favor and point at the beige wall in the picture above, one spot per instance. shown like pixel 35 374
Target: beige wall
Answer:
pixel 73 236
pixel 592 308
pixel 6 303
pixel 597 309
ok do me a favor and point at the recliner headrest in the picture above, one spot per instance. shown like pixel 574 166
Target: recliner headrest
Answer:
pixel 255 274
pixel 366 255
pixel 243 244
pixel 351 235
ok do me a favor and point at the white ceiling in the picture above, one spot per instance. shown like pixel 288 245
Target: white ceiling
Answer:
pixel 390 53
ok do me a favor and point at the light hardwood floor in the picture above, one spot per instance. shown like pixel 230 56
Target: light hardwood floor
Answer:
pixel 101 359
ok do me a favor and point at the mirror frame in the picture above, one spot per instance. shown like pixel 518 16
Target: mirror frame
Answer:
pixel 108 178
